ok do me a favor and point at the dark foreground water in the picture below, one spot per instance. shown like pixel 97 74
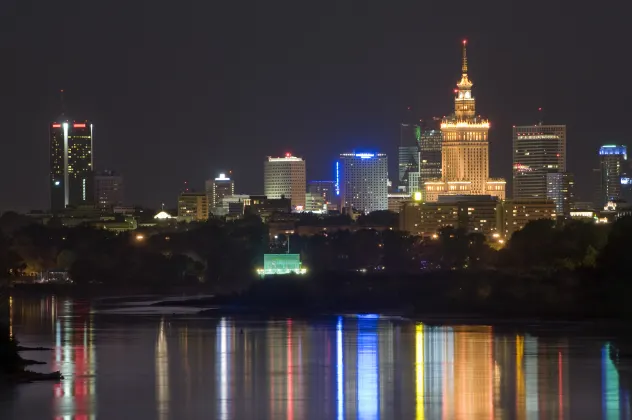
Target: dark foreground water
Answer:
pixel 155 366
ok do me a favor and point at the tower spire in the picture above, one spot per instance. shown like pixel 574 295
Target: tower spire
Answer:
pixel 464 67
pixel 63 106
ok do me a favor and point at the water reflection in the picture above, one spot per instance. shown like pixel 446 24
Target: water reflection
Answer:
pixel 364 368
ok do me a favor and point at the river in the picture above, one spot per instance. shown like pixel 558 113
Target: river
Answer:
pixel 127 362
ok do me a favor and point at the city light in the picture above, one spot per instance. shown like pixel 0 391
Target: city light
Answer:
pixel 417 196
pixel 337 178
pixel 140 237
pixel 365 155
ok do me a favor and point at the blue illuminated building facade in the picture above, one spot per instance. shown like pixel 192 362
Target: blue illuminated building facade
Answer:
pixel 362 181
pixel 613 161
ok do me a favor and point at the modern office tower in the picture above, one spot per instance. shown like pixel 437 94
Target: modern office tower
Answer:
pixel 464 149
pixel 285 177
pixel 315 203
pixel 430 153
pixel 192 207
pixel 362 181
pixel 108 187
pixel 560 189
pixel 217 189
pixel 326 189
pixel 71 164
pixel 537 151
pixel 408 164
pixel 613 164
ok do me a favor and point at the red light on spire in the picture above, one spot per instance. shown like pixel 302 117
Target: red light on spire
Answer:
pixel 465 42
pixel 540 109
pixel 288 154
pixel 456 91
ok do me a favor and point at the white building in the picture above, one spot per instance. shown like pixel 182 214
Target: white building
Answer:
pixel 362 181
pixel 285 176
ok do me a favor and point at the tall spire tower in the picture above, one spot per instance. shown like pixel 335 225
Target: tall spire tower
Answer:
pixel 465 148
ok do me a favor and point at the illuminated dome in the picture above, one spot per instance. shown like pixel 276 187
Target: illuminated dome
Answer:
pixel 163 215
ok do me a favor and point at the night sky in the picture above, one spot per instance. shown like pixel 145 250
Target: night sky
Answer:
pixel 181 90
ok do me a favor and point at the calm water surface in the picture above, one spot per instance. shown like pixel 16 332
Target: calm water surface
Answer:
pixel 154 366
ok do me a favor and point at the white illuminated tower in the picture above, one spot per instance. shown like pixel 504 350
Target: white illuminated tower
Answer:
pixel 362 181
pixel 464 149
pixel 217 189
pixel 285 177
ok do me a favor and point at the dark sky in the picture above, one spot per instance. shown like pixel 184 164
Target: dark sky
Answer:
pixel 180 90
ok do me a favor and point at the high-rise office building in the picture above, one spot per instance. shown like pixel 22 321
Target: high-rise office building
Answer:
pixel 408 164
pixel 464 149
pixel 560 189
pixel 326 189
pixel 613 161
pixel 285 176
pixel 192 207
pixel 362 181
pixel 538 150
pixel 108 187
pixel 71 164
pixel 217 189
pixel 430 152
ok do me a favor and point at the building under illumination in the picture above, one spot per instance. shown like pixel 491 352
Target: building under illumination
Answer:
pixel 517 213
pixel 326 189
pixel 71 164
pixel 430 153
pixel 217 189
pixel 560 189
pixel 538 150
pixel 362 181
pixel 465 149
pixel 108 187
pixel 613 161
pixel 192 207
pixel 285 177
pixel 408 164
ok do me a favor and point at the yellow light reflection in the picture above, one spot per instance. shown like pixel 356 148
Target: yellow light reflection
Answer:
pixel 520 388
pixel 419 371
pixel 162 373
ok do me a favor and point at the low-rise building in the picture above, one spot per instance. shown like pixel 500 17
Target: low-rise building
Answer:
pixel 192 207
pixel 517 213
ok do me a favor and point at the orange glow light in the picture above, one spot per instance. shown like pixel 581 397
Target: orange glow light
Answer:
pixel 79 125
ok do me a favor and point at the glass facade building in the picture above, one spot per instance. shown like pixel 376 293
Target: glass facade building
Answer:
pixel 362 181
pixel 613 161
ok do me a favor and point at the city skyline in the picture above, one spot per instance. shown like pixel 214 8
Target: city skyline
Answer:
pixel 331 94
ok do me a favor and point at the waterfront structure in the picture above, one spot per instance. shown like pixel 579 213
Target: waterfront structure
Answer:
pixel 285 177
pixel 465 149
pixel 217 189
pixel 560 189
pixel 362 181
pixel 430 141
pixel 613 161
pixel 71 164
pixel 517 213
pixel 108 188
pixel 538 150
pixel 408 163
pixel 474 214
pixel 192 207
pixel 326 189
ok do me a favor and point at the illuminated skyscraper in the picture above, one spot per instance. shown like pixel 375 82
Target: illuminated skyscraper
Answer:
pixel 217 189
pixel 408 165
pixel 430 153
pixel 71 164
pixel 362 181
pixel 613 164
pixel 108 187
pixel 465 149
pixel 538 150
pixel 285 176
